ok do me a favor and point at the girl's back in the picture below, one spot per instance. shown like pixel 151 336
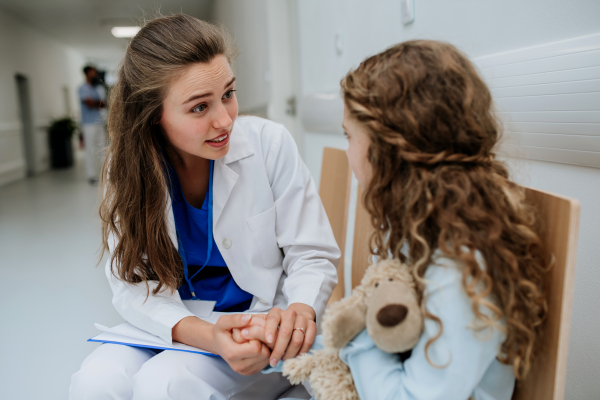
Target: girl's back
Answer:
pixel 421 142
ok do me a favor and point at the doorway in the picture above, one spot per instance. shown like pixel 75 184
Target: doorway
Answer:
pixel 26 123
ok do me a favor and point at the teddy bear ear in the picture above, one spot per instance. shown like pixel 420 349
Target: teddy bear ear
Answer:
pixel 344 320
pixel 372 274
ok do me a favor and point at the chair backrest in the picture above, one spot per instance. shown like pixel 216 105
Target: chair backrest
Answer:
pixel 560 216
pixel 334 190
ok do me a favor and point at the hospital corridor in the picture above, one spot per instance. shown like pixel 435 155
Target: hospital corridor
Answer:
pixel 50 229
pixel 266 157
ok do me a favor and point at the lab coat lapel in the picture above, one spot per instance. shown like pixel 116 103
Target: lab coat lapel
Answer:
pixel 170 218
pixel 223 182
pixel 224 178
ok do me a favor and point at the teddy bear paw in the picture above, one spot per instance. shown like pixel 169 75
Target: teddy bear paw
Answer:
pixel 298 369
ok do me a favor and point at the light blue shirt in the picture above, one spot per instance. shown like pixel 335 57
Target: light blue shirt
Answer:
pixel 89 115
pixel 472 367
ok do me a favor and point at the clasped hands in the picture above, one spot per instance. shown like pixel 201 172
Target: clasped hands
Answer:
pixel 251 342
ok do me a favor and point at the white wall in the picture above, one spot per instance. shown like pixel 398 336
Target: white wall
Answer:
pixel 246 22
pixel 49 66
pixel 478 28
pixel 265 68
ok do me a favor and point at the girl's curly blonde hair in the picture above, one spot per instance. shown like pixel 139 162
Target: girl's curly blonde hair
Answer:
pixel 437 185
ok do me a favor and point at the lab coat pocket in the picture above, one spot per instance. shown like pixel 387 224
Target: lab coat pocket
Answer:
pixel 263 231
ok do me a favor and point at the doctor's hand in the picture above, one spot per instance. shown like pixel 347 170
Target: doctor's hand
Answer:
pixel 287 332
pixel 245 358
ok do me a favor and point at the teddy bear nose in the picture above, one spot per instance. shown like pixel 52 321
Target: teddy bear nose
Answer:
pixel 392 315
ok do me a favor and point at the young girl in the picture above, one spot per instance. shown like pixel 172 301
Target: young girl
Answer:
pixel 201 205
pixel 421 137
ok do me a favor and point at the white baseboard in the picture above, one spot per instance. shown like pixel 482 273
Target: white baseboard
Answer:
pixel 12 171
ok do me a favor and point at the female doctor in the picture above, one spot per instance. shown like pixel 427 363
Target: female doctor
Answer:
pixel 202 205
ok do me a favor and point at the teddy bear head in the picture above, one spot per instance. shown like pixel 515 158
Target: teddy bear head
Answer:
pixel 393 316
pixel 385 303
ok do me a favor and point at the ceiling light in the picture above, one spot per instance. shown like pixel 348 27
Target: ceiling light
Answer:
pixel 125 31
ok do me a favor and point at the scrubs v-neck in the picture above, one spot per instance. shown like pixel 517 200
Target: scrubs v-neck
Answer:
pixel 213 282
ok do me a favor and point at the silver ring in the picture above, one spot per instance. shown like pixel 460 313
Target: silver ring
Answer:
pixel 302 329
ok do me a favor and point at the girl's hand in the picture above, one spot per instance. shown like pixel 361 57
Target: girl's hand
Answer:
pixel 297 331
pixel 255 330
pixel 258 321
pixel 245 358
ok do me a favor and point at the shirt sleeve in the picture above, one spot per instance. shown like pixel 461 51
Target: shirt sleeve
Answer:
pixel 311 253
pixel 461 355
pixel 85 92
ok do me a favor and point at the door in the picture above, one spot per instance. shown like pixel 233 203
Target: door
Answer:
pixel 26 123
pixel 283 68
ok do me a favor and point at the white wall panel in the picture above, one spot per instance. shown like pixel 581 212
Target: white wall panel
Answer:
pixel 564 62
pixel 558 141
pixel 587 158
pixel 548 102
pixel 532 89
pixel 573 128
pixel 548 98
pixel 551 117
pixel 583 74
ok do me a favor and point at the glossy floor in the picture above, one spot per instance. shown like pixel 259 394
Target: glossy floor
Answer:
pixel 52 291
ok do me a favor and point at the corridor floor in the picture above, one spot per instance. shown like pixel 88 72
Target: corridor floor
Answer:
pixel 52 291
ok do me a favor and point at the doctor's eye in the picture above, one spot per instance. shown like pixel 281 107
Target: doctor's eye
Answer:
pixel 199 108
pixel 229 94
pixel 377 284
pixel 390 279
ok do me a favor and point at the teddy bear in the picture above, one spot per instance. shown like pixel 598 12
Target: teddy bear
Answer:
pixel 386 304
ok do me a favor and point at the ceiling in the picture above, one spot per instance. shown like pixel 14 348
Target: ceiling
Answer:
pixel 85 24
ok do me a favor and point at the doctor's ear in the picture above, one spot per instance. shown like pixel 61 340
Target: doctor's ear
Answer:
pixel 157 118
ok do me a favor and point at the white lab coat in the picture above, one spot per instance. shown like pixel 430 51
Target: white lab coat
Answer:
pixel 268 223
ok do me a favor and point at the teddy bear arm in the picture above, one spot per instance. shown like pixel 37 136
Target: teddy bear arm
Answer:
pixel 298 369
pixel 332 379
pixel 344 321
pixel 348 328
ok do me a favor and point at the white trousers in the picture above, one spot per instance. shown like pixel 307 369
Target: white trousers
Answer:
pixel 118 372
pixel 95 141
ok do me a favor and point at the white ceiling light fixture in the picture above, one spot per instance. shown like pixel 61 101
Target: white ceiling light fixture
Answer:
pixel 125 31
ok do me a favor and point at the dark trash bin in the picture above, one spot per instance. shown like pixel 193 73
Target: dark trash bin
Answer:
pixel 61 147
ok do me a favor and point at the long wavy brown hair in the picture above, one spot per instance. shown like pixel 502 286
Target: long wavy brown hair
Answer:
pixel 135 184
pixel 437 185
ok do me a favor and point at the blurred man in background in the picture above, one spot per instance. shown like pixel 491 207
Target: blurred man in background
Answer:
pixel 94 136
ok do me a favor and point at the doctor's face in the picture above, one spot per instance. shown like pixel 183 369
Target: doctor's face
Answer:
pixel 199 110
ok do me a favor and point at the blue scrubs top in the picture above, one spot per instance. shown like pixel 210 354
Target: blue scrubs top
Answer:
pixel 89 115
pixel 213 282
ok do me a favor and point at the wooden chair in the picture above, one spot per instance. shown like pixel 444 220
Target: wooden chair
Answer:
pixel 334 190
pixel 560 217
pixel 561 225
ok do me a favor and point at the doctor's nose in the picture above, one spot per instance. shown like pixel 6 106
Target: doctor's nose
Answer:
pixel 222 120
